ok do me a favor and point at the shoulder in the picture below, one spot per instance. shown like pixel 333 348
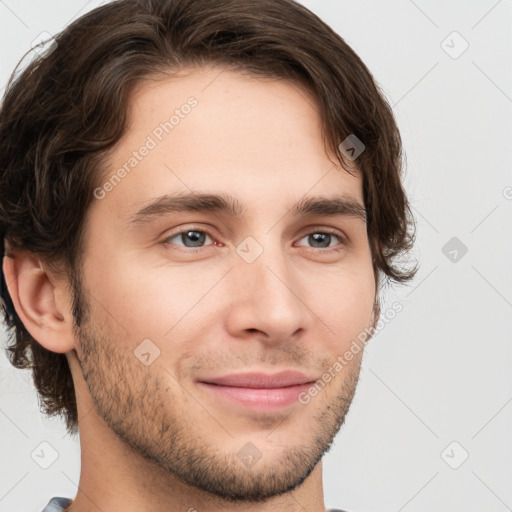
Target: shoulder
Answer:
pixel 57 504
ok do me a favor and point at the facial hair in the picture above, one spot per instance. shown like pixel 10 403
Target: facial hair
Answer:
pixel 139 406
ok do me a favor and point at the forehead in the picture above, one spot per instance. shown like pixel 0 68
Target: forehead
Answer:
pixel 212 129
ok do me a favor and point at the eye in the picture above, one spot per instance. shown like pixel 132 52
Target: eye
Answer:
pixel 196 238
pixel 323 239
pixel 190 238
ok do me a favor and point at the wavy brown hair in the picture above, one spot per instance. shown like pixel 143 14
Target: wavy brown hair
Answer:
pixel 67 108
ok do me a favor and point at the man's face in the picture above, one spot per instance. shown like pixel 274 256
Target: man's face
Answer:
pixel 215 294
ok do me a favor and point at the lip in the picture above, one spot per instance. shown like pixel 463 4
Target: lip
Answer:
pixel 259 391
pixel 262 380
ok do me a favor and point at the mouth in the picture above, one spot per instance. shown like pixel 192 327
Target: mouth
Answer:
pixel 259 391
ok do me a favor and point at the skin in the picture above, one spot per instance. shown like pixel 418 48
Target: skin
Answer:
pixel 151 438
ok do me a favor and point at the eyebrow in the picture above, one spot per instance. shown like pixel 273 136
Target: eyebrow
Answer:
pixel 230 205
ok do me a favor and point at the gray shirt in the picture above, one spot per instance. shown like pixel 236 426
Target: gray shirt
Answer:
pixel 58 504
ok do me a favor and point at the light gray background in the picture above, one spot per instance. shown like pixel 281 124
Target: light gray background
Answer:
pixel 439 372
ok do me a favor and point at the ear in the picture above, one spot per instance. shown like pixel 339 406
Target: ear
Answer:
pixel 376 301
pixel 376 312
pixel 374 318
pixel 42 301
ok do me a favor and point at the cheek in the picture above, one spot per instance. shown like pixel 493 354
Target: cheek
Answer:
pixel 153 301
pixel 343 301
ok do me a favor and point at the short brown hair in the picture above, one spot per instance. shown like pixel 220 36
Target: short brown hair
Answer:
pixel 62 113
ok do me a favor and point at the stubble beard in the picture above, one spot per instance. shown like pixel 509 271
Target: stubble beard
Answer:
pixel 133 403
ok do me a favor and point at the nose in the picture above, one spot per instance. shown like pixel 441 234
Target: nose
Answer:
pixel 267 300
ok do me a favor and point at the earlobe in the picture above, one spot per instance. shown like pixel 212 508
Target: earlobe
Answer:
pixel 35 295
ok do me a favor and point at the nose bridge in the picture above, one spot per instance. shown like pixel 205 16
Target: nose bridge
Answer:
pixel 268 298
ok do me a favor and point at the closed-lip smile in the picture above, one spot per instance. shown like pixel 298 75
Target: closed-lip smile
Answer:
pixel 259 390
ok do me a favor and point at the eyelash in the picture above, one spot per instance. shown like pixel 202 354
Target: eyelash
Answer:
pixel 323 231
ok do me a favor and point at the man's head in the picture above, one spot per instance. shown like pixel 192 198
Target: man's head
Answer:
pixel 215 124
